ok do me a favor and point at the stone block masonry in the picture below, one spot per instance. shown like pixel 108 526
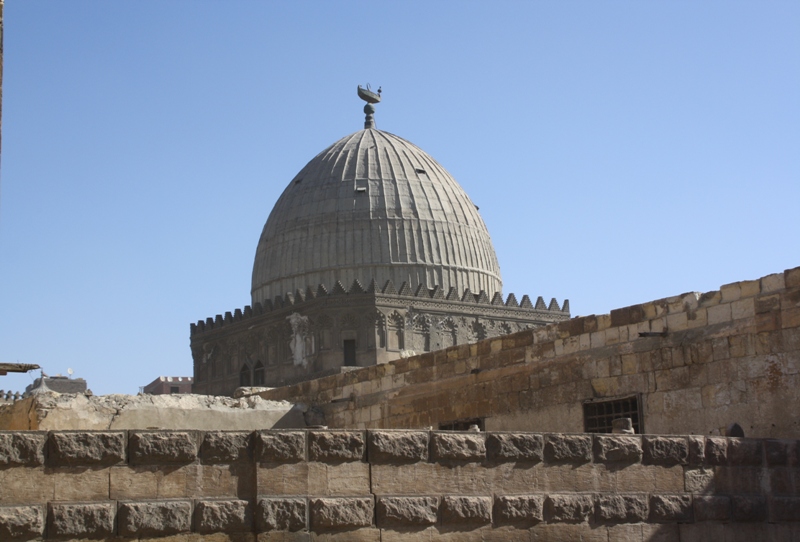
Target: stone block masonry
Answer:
pixel 376 485
pixel 692 363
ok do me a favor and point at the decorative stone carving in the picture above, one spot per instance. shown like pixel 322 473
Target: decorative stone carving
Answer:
pixel 297 344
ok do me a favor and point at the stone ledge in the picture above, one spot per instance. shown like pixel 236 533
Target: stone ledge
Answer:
pixel 280 446
pixel 225 447
pixel 620 508
pixel 407 511
pixel 568 448
pixel 334 446
pixel 341 513
pixel 22 448
pixel 85 448
pixel 171 447
pixel 282 514
pixel 466 510
pixel 458 446
pixel 519 509
pixel 160 518
pixel 665 450
pixel 670 508
pixel 569 508
pixel 230 516
pixel 515 447
pixel 67 520
pixel 398 446
pixel 21 522
pixel 617 448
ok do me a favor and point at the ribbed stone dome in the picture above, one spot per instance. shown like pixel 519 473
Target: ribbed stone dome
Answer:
pixel 374 206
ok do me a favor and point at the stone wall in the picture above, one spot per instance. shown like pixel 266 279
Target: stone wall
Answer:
pixel 64 411
pixel 695 362
pixel 396 485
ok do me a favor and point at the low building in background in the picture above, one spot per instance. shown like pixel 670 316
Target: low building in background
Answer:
pixel 58 384
pixel 164 385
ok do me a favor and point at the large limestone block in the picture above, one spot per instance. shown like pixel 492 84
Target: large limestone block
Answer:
pixel 54 411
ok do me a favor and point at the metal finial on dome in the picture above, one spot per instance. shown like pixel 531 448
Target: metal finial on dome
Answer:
pixel 371 98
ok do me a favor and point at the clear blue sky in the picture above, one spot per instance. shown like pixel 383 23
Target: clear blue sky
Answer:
pixel 620 152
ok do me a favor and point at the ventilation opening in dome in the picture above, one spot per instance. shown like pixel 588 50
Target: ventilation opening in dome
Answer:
pixel 421 171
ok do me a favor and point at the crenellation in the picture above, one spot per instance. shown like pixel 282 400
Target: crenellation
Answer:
pixel 404 290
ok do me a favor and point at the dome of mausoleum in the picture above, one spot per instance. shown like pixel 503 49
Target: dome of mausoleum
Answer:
pixel 373 206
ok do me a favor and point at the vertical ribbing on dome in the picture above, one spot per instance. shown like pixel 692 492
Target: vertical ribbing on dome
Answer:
pixel 361 208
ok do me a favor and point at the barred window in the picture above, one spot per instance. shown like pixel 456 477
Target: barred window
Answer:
pixel 598 415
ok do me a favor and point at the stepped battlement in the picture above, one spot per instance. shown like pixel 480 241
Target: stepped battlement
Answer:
pixel 387 292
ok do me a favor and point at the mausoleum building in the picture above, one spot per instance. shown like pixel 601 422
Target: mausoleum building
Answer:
pixel 373 252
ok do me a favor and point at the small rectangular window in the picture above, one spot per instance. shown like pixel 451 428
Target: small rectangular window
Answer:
pixel 349 346
pixel 420 171
pixel 174 389
pixel 599 415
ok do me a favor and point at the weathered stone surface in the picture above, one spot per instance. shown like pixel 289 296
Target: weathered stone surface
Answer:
pixel 573 448
pixel 22 448
pixel 699 480
pixel 162 447
pixel 617 448
pixel 666 508
pixel 784 509
pixel 398 446
pixel 73 449
pixel 514 447
pixel 568 508
pixel 776 452
pixel 697 450
pixel 281 514
pixel 519 509
pixel 161 518
pixel 180 412
pixel 21 522
pixel 712 508
pixel 225 447
pixel 744 452
pixel 80 520
pixel 223 516
pixel 341 513
pixel 716 451
pixel 665 450
pixel 459 447
pixel 621 508
pixel 280 446
pixel 466 510
pixel 407 511
pixel 329 446
pixel 749 508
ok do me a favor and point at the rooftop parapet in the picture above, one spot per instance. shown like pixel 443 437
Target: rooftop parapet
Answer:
pixel 389 290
